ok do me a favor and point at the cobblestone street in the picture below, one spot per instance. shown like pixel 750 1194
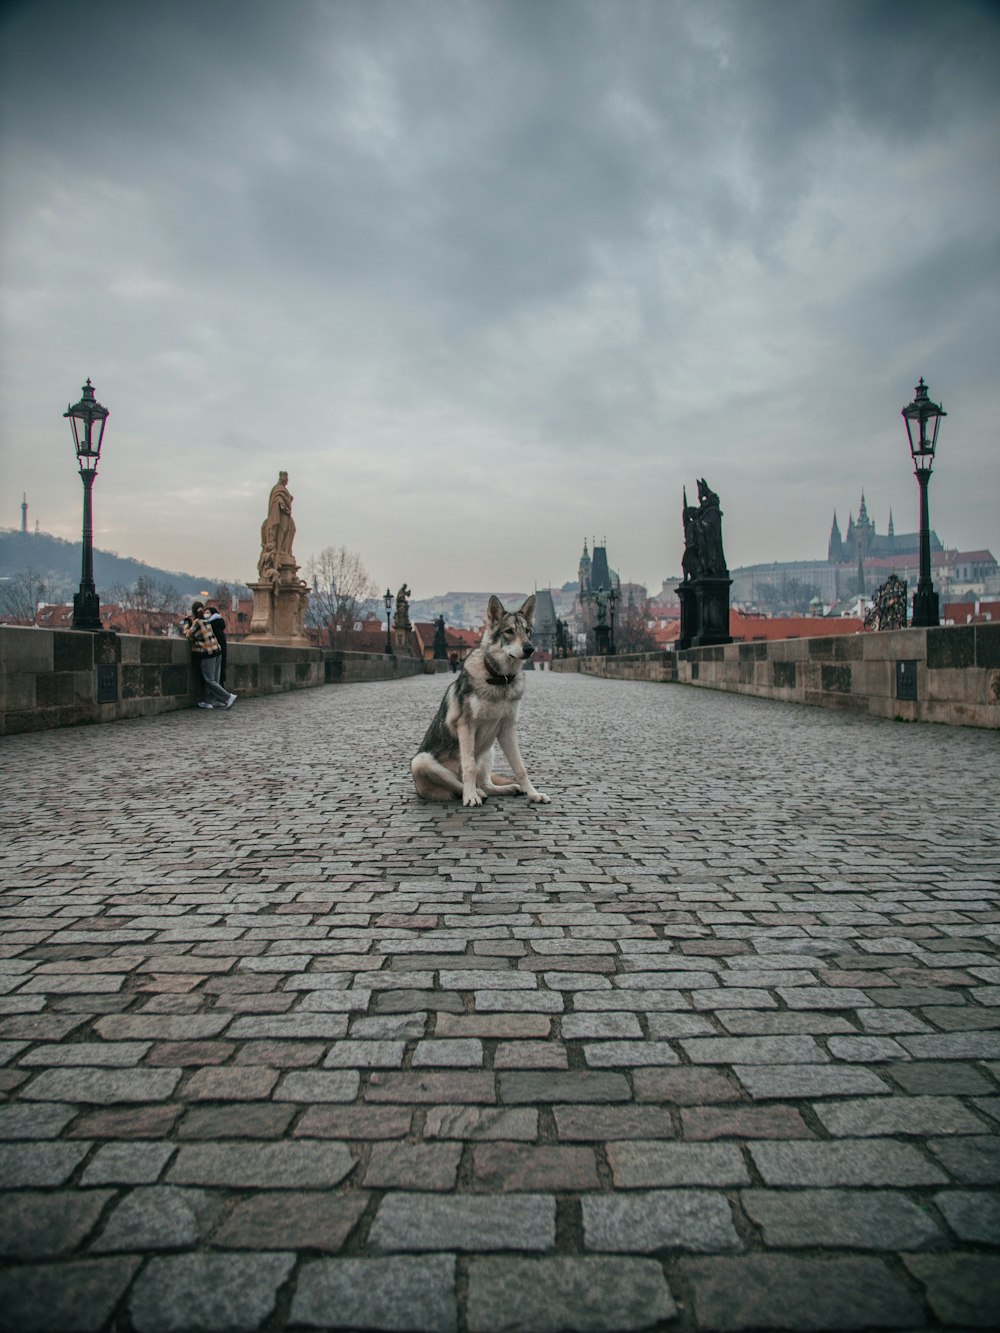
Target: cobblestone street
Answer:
pixel 712 1041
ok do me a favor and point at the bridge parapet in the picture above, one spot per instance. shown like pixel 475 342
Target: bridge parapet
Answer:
pixel 57 678
pixel 947 674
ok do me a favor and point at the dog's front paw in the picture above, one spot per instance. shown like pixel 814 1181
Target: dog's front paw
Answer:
pixel 538 797
pixel 472 797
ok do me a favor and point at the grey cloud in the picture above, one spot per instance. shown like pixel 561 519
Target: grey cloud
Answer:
pixel 584 233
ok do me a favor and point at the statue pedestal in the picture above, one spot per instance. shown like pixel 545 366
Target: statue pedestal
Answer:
pixel 704 612
pixel 602 640
pixel 278 612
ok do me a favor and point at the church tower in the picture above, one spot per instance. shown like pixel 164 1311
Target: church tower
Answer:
pixel 584 570
pixel 835 551
pixel 865 528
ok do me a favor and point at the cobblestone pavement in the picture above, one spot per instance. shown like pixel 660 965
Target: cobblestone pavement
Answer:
pixel 710 1042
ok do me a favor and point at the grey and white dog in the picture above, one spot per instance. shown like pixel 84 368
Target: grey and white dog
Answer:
pixel 480 707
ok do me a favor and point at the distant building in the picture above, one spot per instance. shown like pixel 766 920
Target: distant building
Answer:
pixel 858 562
pixel 459 642
pixel 595 575
pixel 970 613
pixel 861 541
pixel 466 610
pixel 544 633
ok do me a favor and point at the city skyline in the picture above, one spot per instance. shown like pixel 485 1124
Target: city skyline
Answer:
pixel 661 582
pixel 510 273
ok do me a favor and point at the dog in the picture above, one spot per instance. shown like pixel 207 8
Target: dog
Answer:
pixel 479 707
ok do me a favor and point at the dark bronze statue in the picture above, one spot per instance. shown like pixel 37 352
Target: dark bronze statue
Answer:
pixel 704 591
pixel 703 554
pixel 440 640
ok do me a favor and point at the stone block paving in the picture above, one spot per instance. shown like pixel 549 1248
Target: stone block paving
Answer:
pixel 711 1042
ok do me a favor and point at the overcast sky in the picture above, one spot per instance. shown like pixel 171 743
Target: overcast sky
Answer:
pixel 489 277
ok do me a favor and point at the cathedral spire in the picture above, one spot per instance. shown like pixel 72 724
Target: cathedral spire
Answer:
pixel 835 548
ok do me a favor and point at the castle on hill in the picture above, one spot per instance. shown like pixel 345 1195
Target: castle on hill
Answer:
pixel 862 541
pixel 858 561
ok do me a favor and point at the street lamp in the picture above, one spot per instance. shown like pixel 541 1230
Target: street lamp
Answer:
pixel 88 419
pixel 387 602
pixel 612 605
pixel 922 418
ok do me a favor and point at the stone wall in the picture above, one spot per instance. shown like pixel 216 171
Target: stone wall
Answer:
pixel 56 678
pixel 623 666
pixel 950 674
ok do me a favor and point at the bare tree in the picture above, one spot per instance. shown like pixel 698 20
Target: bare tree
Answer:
pixel 223 597
pixel 342 592
pixel 20 594
pixel 632 631
pixel 148 604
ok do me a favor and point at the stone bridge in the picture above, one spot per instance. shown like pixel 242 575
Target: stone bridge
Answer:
pixel 712 1041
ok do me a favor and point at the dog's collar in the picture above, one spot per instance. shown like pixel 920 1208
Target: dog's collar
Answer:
pixel 496 677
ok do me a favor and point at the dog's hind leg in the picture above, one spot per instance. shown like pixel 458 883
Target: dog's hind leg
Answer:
pixel 432 780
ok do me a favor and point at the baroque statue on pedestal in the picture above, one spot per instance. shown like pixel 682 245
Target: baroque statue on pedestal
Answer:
pixel 277 533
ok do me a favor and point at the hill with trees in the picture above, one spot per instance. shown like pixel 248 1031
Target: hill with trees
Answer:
pixel 35 566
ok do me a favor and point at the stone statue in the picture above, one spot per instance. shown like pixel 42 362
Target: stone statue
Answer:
pixel 440 640
pixel 710 522
pixel 403 609
pixel 691 563
pixel 703 554
pixel 277 533
pixel 704 592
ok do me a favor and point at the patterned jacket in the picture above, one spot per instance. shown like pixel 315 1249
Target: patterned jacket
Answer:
pixel 203 641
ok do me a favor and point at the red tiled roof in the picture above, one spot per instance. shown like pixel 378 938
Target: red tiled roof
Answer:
pixel 54 617
pixel 745 628
pixel 666 632
pixel 454 638
pixel 362 640
pixel 965 613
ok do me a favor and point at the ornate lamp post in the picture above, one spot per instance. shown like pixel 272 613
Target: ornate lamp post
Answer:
pixel 88 419
pixel 612 606
pixel 387 602
pixel 922 418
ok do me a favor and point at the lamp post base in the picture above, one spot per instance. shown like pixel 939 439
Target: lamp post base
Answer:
pixel 926 609
pixel 87 610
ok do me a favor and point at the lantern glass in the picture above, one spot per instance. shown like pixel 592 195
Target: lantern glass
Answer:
pixel 922 419
pixel 88 419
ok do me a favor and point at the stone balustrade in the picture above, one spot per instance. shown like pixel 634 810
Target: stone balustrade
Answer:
pixel 949 674
pixel 55 678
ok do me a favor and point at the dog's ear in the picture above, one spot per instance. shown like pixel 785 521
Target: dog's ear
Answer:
pixel 528 609
pixel 494 610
